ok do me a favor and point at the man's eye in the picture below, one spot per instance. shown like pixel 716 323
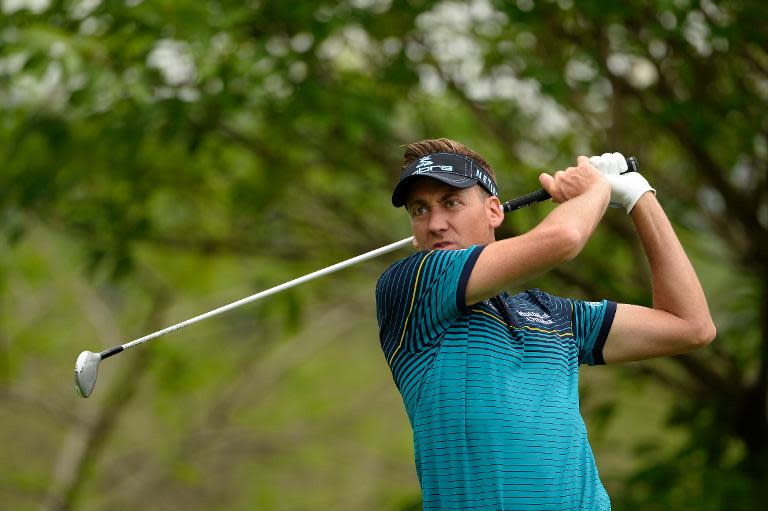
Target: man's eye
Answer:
pixel 452 203
pixel 418 210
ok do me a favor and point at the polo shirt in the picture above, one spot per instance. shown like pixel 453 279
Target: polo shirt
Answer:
pixel 491 389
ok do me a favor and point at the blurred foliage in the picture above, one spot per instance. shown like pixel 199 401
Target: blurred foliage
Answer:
pixel 161 158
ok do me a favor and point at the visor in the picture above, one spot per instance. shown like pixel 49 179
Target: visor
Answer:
pixel 452 169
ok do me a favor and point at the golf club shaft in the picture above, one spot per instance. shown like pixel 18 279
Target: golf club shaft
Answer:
pixel 517 203
pixel 262 294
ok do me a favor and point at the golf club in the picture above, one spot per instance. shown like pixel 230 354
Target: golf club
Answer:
pixel 87 364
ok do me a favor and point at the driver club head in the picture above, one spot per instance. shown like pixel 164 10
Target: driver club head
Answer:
pixel 86 368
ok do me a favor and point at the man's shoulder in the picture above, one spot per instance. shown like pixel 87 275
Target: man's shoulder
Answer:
pixel 403 263
pixel 402 272
pixel 397 272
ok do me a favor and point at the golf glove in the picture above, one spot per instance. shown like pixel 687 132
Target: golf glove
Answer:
pixel 626 189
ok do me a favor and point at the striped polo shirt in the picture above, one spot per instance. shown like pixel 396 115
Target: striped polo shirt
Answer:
pixel 491 389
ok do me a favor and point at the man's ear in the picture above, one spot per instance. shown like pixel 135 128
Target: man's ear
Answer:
pixel 495 211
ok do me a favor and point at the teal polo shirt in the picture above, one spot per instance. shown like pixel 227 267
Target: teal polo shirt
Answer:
pixel 491 389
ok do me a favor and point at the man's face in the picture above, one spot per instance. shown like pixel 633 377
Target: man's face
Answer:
pixel 444 217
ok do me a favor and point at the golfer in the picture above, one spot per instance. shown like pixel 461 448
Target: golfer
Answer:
pixel 490 379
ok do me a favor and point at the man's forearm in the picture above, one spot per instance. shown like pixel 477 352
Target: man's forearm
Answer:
pixel 676 288
pixel 582 213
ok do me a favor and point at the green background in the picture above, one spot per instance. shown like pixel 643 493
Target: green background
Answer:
pixel 160 159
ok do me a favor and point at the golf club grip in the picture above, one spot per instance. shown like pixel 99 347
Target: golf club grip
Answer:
pixel 541 195
pixel 526 200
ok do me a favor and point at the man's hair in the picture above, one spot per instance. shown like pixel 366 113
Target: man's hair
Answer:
pixel 421 148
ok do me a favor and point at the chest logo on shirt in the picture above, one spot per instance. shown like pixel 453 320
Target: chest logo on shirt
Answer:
pixel 535 317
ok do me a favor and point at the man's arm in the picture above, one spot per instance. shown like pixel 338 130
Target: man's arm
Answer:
pixel 679 320
pixel 583 194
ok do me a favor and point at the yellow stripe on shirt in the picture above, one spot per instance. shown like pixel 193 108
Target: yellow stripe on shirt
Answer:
pixel 410 308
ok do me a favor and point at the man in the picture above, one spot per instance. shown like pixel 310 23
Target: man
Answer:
pixel 489 379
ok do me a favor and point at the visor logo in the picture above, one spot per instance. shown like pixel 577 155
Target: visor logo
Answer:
pixel 485 180
pixel 426 165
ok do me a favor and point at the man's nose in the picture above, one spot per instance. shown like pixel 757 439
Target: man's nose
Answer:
pixel 438 220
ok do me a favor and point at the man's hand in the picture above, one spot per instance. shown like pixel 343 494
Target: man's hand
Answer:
pixel 573 181
pixel 627 188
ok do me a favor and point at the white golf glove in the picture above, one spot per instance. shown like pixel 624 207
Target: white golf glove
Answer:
pixel 626 189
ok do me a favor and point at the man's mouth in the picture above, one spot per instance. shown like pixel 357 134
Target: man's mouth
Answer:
pixel 441 245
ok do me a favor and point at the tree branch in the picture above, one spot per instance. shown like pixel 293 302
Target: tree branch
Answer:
pixel 706 376
pixel 675 384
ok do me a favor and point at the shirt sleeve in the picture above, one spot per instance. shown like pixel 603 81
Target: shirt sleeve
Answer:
pixel 419 297
pixel 591 322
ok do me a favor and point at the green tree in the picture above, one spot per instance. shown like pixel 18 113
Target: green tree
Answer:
pixel 148 138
